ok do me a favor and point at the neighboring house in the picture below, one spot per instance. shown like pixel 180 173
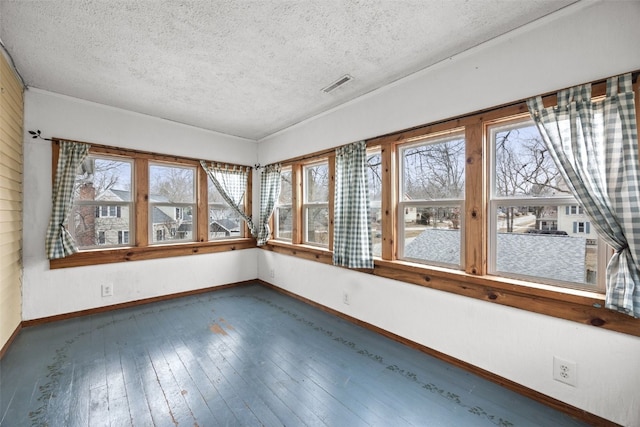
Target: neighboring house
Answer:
pixel 224 227
pixel 573 220
pixel 547 220
pixel 109 224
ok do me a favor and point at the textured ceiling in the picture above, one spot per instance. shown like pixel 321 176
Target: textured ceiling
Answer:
pixel 245 68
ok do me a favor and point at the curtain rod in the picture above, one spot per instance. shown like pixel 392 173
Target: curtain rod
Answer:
pixel 38 135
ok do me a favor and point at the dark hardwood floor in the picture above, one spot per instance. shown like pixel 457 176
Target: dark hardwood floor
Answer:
pixel 244 356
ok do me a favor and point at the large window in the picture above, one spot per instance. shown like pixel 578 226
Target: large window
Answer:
pixel 103 202
pixel 535 227
pixel 431 199
pixel 172 202
pixel 315 210
pixel 283 212
pixel 131 205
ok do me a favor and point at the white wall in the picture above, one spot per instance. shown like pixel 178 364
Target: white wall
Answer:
pixel 49 292
pixel 582 43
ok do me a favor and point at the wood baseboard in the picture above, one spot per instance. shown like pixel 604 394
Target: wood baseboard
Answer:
pixel 570 410
pixel 13 336
pixel 106 308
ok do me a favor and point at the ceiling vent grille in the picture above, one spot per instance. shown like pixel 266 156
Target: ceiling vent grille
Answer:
pixel 341 81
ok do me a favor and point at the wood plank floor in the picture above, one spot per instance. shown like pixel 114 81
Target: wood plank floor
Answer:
pixel 244 356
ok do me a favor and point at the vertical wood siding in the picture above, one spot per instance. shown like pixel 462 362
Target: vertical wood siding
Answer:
pixel 11 137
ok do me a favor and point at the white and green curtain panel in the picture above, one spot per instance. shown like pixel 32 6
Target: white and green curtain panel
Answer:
pixel 352 245
pixel 231 182
pixel 269 193
pixel 59 243
pixel 595 146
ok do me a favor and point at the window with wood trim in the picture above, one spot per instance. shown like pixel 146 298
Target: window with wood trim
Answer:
pixel 137 205
pixel 283 211
pixel 534 234
pixel 315 207
pixel 482 211
pixel 431 199
pixel 103 202
pixel 172 202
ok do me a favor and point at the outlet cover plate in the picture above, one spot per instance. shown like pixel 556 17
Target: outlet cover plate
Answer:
pixel 565 371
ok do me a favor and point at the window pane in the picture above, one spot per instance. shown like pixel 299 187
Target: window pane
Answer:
pixel 523 166
pixel 284 222
pixel 432 234
pixel 171 184
pixel 434 170
pixel 546 242
pixel 283 215
pixel 316 181
pixel 102 202
pixel 169 188
pixel 224 222
pixel 317 225
pixel 374 185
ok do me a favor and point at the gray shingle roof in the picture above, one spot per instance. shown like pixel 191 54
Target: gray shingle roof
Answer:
pixel 555 257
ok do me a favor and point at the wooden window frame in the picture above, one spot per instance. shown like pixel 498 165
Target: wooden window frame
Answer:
pixel 582 306
pixel 141 247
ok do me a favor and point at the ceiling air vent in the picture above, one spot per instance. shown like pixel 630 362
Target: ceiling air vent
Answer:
pixel 342 80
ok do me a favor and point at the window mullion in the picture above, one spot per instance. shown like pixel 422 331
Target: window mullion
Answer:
pixel 141 220
pixel 475 230
pixel 388 203
pixel 202 206
pixel 296 201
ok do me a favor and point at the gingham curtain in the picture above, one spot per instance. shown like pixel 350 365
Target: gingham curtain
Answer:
pixel 59 243
pixel 595 145
pixel 352 246
pixel 231 182
pixel 269 193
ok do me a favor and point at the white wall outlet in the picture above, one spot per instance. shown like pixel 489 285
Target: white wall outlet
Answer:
pixel 272 273
pixel 345 298
pixel 107 290
pixel 565 371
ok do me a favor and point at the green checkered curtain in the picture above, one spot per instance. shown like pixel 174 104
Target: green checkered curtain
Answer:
pixel 59 243
pixel 269 193
pixel 595 145
pixel 352 246
pixel 231 182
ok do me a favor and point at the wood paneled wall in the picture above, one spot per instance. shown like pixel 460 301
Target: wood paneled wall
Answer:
pixel 11 142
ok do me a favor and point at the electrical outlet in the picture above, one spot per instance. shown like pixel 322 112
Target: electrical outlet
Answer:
pixel 272 273
pixel 107 290
pixel 565 371
pixel 345 298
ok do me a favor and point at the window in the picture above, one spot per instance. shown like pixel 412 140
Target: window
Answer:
pixel 131 205
pixel 283 213
pixel 574 210
pixel 108 212
pixel 315 209
pixel 431 199
pixel 171 202
pixel 102 201
pixel 374 184
pixel 123 237
pixel 224 222
pixel 531 235
pixel 486 183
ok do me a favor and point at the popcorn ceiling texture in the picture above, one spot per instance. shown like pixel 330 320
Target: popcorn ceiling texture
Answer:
pixel 245 68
